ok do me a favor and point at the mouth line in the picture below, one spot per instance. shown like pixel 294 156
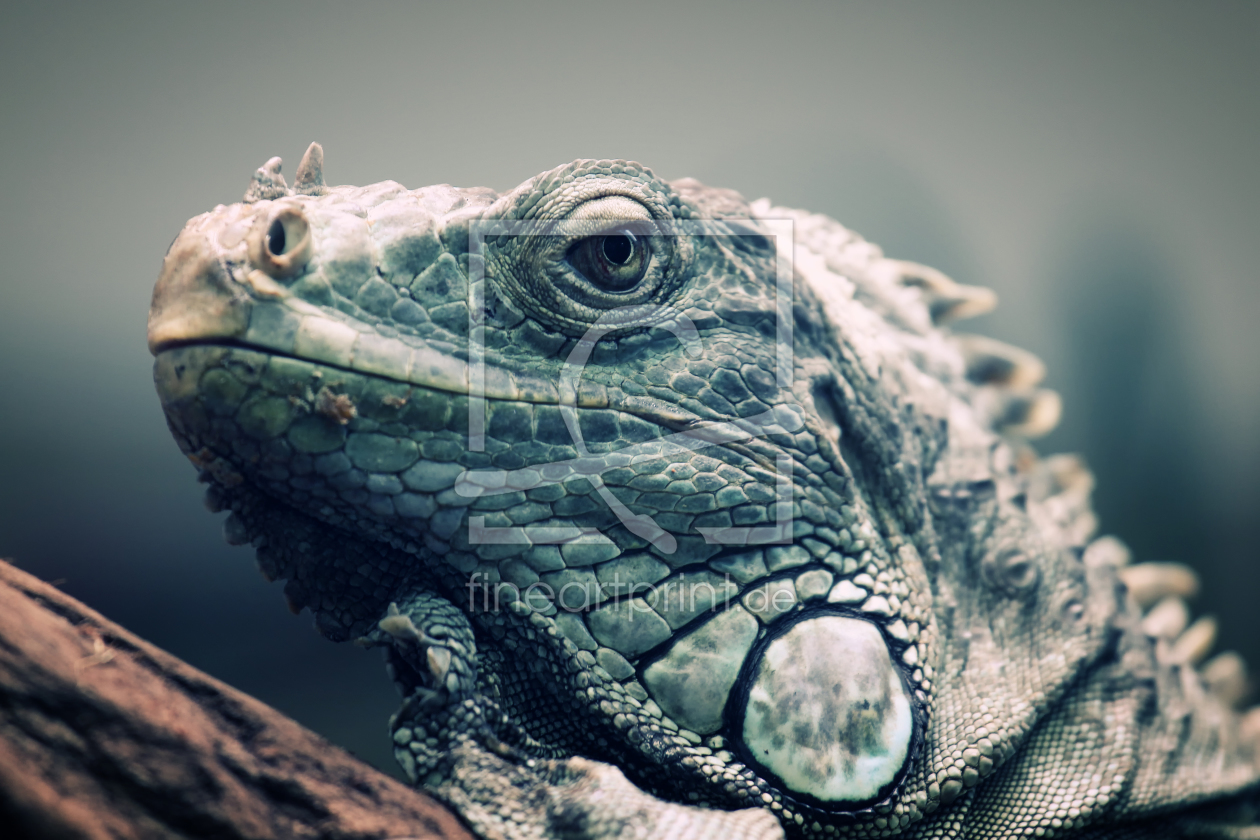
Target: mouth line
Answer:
pixel 654 411
pixel 237 344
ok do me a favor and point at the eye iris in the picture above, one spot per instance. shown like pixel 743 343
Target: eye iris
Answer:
pixel 618 248
pixel 614 262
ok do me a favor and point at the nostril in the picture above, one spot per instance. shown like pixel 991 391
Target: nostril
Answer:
pixel 281 243
pixel 276 238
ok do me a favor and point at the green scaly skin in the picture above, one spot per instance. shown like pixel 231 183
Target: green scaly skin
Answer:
pixel 319 380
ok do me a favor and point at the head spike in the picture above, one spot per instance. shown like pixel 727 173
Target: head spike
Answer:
pixel 1062 484
pixel 946 300
pixel 1150 582
pixel 992 362
pixel 1193 646
pixel 1168 619
pixel 309 179
pixel 964 302
pixel 1027 414
pixel 267 183
pixel 1226 677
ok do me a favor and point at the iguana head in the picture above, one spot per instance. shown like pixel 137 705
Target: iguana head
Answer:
pixel 724 453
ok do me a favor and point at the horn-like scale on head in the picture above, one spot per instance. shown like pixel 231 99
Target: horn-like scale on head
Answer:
pixel 268 183
pixel 310 172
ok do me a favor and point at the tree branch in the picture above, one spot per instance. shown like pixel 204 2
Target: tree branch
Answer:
pixel 103 735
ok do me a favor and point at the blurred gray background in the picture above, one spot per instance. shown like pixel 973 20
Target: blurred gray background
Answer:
pixel 1094 163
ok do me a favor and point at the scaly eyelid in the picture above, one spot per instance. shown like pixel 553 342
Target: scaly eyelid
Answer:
pixel 601 216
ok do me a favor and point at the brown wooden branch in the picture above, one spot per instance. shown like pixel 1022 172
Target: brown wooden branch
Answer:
pixel 103 735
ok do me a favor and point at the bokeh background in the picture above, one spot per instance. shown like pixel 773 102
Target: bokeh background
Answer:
pixel 1093 162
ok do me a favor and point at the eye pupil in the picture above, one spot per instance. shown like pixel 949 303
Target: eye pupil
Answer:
pixel 612 262
pixel 275 238
pixel 618 248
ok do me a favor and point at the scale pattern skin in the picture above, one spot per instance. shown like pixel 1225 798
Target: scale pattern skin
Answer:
pixel 312 348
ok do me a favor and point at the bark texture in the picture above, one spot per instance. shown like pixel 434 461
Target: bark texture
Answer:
pixel 103 735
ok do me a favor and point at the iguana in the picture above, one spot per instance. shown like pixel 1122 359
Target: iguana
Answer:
pixel 683 516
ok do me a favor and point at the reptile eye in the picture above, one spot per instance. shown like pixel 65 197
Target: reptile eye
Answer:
pixel 614 262
pixel 281 244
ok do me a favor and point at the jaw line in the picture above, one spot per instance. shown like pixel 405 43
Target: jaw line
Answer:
pixel 664 414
